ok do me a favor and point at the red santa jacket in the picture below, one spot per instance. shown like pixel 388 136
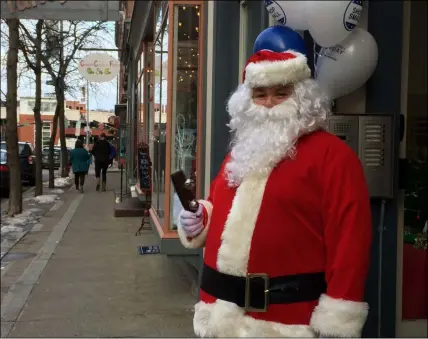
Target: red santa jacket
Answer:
pixel 309 214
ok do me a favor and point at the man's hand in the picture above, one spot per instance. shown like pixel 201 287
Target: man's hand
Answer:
pixel 192 223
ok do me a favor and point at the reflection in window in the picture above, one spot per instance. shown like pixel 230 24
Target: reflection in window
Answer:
pixel 186 74
pixel 415 247
pixel 160 121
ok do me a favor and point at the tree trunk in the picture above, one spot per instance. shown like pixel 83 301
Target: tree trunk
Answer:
pixel 15 193
pixel 37 115
pixel 64 153
pixel 51 148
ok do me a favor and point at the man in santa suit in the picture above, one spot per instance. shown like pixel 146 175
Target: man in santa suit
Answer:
pixel 286 228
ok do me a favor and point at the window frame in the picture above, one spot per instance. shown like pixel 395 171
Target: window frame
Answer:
pixel 163 228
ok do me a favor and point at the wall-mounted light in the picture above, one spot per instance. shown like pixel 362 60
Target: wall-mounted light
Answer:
pixel 180 24
pixel 184 7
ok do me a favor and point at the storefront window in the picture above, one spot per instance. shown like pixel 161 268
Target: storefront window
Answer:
pixel 415 247
pixel 141 100
pixel 149 93
pixel 185 97
pixel 160 121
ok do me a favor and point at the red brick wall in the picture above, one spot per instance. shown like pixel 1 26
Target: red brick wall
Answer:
pixel 26 133
pixel 75 105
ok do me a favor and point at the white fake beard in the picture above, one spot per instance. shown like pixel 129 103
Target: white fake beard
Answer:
pixel 263 136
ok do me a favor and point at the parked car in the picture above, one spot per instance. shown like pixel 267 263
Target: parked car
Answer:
pixel 26 157
pixel 4 174
pixel 57 156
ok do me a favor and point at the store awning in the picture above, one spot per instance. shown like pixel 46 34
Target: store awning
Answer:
pixel 106 10
pixel 94 132
pixel 141 26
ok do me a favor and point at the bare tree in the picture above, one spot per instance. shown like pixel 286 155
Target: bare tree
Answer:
pixel 36 65
pixel 63 41
pixel 15 194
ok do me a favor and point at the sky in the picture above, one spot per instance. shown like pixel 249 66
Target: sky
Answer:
pixel 103 96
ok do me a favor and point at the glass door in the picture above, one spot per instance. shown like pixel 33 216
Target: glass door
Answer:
pixel 413 260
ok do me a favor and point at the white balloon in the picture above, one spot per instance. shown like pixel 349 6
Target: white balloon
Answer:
pixel 288 13
pixel 330 22
pixel 343 68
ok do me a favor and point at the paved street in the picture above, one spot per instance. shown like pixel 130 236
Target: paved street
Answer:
pixel 77 273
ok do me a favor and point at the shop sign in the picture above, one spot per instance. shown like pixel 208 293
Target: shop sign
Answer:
pixel 99 67
pixel 106 10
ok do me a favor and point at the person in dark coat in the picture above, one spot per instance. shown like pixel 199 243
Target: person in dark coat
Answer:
pixel 112 154
pixel 101 152
pixel 80 160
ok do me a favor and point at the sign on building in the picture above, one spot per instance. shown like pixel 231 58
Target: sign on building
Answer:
pixel 99 10
pixel 99 67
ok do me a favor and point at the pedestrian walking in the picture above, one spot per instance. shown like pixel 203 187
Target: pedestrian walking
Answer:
pixel 101 152
pixel 80 161
pixel 286 228
pixel 112 154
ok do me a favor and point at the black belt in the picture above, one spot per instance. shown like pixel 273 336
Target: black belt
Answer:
pixel 256 291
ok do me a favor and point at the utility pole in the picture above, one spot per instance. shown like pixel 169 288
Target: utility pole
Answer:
pixel 87 114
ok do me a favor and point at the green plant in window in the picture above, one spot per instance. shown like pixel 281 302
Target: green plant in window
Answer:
pixel 421 241
pixel 416 203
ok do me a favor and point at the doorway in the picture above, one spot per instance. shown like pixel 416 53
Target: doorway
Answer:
pixel 412 261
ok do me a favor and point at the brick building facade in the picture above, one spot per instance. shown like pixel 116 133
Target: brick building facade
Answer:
pixel 74 112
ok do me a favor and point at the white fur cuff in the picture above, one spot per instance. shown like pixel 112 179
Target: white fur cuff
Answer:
pixel 268 73
pixel 338 317
pixel 196 242
pixel 223 319
pixel 199 240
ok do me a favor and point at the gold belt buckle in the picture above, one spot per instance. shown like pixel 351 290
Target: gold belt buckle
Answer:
pixel 248 278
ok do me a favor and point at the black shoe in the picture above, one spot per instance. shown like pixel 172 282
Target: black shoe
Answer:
pixel 98 187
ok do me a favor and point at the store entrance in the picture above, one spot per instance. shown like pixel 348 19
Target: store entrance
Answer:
pixel 412 279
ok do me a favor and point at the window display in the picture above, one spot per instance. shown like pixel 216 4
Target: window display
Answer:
pixel 185 97
pixel 159 125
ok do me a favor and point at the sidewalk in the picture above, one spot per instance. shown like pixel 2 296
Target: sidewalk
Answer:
pixel 87 279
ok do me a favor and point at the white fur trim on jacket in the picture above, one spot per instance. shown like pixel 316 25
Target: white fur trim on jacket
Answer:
pixel 338 317
pixel 270 73
pixel 225 319
pixel 234 251
pixel 199 240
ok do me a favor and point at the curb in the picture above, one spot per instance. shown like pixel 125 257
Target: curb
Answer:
pixel 54 207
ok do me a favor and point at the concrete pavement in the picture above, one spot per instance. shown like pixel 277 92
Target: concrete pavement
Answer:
pixel 83 277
